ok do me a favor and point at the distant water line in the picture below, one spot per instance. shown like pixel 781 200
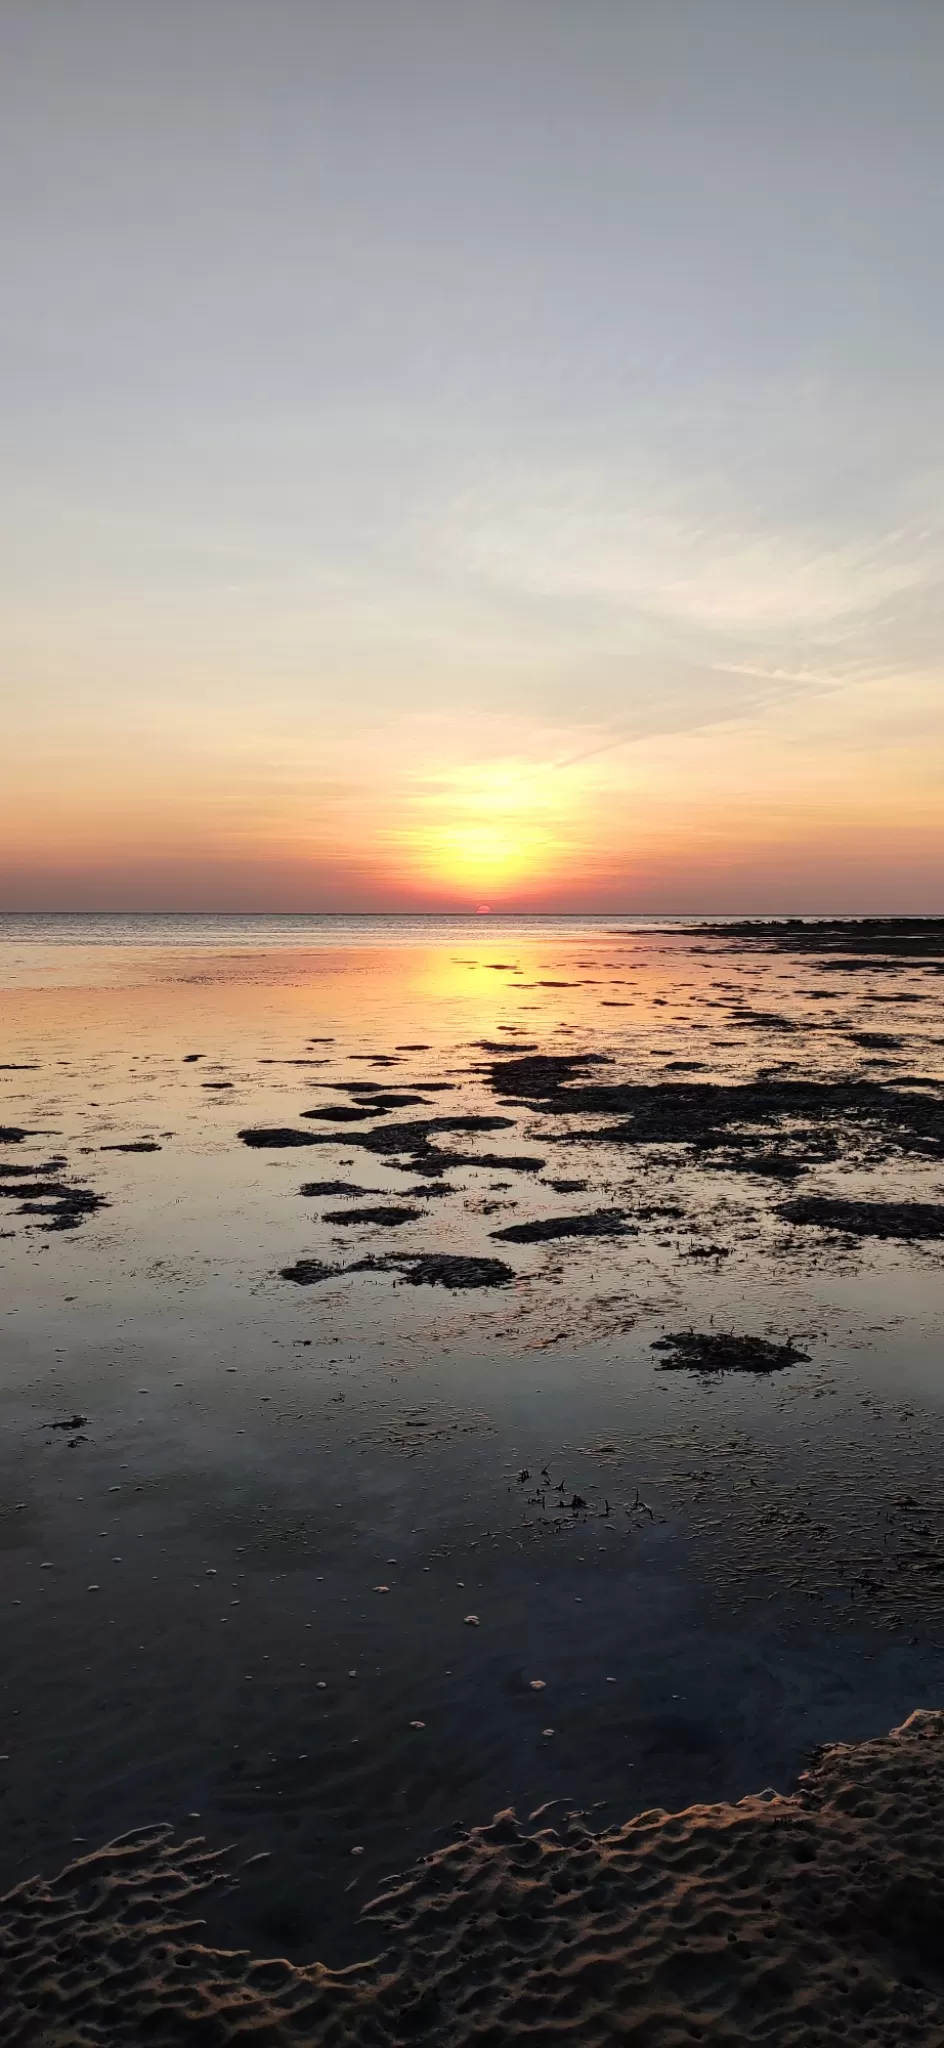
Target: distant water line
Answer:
pixel 265 930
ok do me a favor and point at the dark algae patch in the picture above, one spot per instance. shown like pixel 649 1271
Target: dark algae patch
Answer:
pixel 540 1077
pixel 907 1220
pixel 380 1102
pixel 277 1138
pixel 383 1216
pixel 411 1136
pixel 596 1223
pixel 40 1192
pixel 414 1135
pixel 63 1208
pixel 768 1165
pixel 369 1104
pixel 511 1162
pixel 11 1168
pixel 909 938
pixel 722 1351
pixel 135 1145
pixel 708 1113
pixel 506 1051
pixel 411 1139
pixel 342 1113
pixel 448 1269
pixel 420 1269
pixel 307 1272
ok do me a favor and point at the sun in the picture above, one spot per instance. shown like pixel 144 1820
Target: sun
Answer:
pixel 487 858
pixel 483 834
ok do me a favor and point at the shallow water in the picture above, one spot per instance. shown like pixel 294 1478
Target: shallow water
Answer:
pixel 189 1574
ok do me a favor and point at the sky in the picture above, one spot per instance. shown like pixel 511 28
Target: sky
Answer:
pixel 460 454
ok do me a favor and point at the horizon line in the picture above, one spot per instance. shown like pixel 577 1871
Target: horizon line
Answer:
pixel 484 915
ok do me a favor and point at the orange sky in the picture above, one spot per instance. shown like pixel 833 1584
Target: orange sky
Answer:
pixel 744 815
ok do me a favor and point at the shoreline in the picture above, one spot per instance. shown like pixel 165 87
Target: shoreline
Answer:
pixel 636 1366
pixel 784 1918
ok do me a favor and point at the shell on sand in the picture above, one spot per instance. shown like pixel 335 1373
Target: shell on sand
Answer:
pixel 785 1920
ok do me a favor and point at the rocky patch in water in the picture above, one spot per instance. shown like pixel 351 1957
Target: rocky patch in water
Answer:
pixel 376 1091
pixel 887 1117
pixel 421 1269
pixel 448 1269
pixel 596 1223
pixel 912 1221
pixel 411 1140
pixel 279 1137
pixel 761 1020
pixel 907 937
pixel 722 1351
pixel 135 1145
pixel 22 1169
pixel 507 1162
pixel 497 1046
pixel 342 1113
pixel 382 1216
pixel 56 1204
pixel 539 1077
pixel 308 1272
pixel 768 1165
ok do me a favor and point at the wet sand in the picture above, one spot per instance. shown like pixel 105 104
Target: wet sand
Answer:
pixel 788 1919
pixel 244 1521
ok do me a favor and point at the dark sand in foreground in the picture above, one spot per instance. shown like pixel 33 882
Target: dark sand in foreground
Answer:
pixel 781 1919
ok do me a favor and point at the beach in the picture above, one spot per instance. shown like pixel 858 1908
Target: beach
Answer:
pixel 459 1368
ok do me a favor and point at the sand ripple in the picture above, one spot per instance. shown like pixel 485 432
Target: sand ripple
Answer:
pixel 781 1919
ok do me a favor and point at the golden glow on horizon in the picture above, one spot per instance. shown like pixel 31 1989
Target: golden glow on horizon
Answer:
pixel 724 818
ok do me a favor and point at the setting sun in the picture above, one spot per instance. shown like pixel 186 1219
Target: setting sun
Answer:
pixel 488 831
